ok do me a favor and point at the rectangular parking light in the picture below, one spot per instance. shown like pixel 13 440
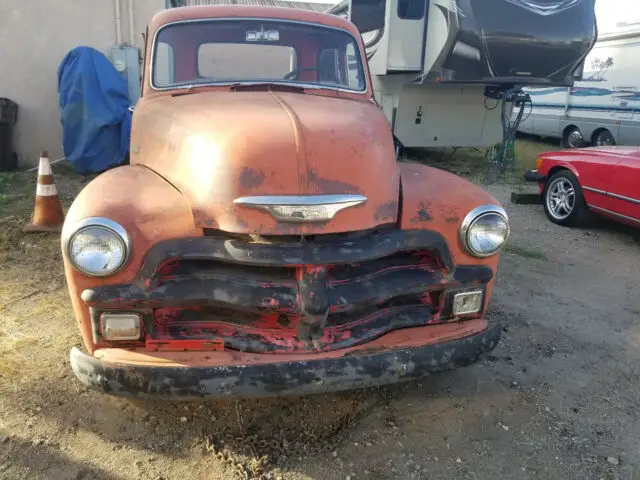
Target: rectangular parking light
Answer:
pixel 467 303
pixel 120 326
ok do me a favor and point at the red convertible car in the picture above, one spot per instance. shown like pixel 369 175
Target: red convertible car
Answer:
pixel 605 180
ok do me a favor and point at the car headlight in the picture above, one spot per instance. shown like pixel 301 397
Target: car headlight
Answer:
pixel 485 230
pixel 98 247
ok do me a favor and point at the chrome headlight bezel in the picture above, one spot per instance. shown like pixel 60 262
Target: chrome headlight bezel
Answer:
pixel 103 223
pixel 472 217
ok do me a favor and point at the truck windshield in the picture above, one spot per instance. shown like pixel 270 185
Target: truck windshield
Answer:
pixel 251 50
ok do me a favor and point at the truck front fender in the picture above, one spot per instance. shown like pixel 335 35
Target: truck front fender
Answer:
pixel 148 207
pixel 433 199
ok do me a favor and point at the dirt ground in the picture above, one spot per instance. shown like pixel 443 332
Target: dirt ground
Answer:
pixel 559 398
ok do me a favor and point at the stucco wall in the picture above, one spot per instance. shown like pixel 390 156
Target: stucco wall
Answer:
pixel 34 37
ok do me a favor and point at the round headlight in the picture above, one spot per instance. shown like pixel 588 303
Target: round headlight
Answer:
pixel 485 230
pixel 99 247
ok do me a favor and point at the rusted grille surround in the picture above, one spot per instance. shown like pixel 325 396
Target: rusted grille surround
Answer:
pixel 288 294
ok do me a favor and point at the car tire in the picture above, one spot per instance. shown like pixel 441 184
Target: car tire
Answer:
pixel 604 138
pixel 563 199
pixel 573 138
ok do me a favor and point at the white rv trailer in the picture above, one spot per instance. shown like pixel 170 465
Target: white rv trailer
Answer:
pixel 601 109
pixel 431 60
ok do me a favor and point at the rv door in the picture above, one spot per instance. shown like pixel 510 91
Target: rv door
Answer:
pixel 624 115
pixel 407 35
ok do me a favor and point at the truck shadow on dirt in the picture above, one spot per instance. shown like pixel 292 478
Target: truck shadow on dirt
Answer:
pixel 254 436
pixel 251 435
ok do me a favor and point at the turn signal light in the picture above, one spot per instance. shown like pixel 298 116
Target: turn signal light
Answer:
pixel 467 303
pixel 538 163
pixel 120 326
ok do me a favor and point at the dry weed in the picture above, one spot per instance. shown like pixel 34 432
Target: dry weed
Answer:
pixel 35 309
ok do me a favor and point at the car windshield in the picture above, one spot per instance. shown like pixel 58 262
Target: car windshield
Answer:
pixel 246 51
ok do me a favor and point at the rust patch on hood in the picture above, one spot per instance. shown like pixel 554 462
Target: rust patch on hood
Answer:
pixel 329 186
pixel 251 178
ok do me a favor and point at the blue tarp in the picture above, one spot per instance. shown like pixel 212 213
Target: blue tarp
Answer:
pixel 94 111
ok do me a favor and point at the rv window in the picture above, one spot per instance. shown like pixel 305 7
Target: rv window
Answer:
pixel 411 9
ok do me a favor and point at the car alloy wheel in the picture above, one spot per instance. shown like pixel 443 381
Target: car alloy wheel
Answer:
pixel 560 198
pixel 563 199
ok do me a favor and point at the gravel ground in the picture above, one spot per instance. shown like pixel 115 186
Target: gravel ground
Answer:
pixel 559 398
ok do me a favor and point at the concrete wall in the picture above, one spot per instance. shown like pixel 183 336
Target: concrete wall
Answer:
pixel 35 35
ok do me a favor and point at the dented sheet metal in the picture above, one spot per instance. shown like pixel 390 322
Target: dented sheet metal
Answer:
pixel 290 308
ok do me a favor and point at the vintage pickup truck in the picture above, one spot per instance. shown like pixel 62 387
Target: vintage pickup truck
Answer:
pixel 264 239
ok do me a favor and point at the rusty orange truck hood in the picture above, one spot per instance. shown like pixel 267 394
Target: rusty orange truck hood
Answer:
pixel 220 145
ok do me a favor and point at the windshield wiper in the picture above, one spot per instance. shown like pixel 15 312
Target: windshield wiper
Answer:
pixel 267 86
pixel 249 86
pixel 183 91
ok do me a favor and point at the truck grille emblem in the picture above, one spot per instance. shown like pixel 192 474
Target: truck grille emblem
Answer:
pixel 300 209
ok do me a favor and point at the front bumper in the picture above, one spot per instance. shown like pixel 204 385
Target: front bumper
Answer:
pixel 534 176
pixel 381 362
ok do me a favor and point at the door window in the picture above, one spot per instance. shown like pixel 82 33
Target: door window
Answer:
pixel 411 9
pixel 340 64
pixel 163 70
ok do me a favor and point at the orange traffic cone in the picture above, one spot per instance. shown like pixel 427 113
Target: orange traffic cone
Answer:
pixel 47 215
